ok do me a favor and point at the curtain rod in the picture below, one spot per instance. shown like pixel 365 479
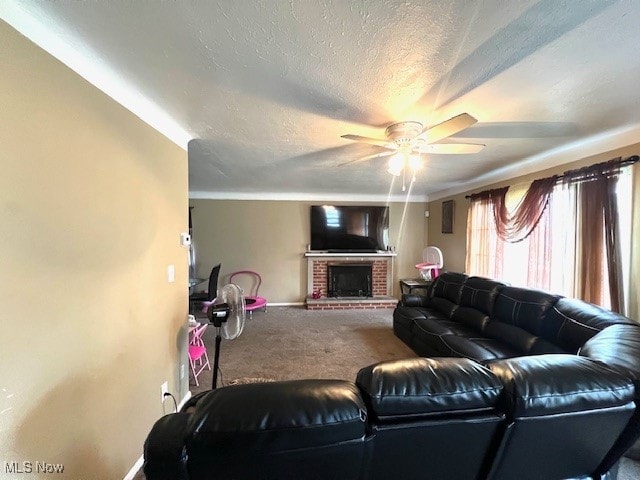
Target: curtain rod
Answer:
pixel 623 163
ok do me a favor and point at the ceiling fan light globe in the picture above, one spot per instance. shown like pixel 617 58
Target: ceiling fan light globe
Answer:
pixel 396 164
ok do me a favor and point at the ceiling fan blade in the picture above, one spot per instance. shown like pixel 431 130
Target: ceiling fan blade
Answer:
pixel 449 148
pixel 447 128
pixel 368 157
pixel 373 141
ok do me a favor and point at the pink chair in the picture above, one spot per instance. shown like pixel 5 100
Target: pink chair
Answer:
pixel 252 280
pixel 198 358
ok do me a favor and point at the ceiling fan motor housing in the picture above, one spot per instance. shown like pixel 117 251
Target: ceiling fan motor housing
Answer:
pixel 403 133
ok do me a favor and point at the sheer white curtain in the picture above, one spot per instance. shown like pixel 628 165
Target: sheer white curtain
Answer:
pixel 484 248
pixel 629 219
pixel 563 216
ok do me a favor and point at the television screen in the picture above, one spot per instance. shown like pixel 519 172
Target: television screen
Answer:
pixel 349 228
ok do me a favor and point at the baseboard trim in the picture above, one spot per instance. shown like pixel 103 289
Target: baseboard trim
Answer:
pixel 285 304
pixel 135 469
pixel 184 400
pixel 138 465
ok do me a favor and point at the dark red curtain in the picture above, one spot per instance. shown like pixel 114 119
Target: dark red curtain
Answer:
pixel 598 250
pixel 517 225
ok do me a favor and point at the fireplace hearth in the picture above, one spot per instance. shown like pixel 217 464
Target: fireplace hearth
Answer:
pixel 346 280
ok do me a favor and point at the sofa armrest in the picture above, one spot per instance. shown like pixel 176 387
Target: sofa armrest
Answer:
pixel 618 347
pixel 410 300
pixel 165 456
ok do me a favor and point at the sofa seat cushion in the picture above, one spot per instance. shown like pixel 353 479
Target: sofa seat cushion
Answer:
pixel 471 317
pixel 427 335
pixel 521 339
pixel 443 305
pixel 427 387
pixel 555 384
pixel 441 326
pixel 478 348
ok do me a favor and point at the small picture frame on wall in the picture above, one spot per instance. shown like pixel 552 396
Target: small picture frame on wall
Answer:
pixel 447 216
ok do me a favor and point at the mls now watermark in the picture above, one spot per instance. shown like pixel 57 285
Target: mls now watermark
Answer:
pixel 33 467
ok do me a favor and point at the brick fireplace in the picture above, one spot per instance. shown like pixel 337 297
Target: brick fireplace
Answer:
pixel 318 279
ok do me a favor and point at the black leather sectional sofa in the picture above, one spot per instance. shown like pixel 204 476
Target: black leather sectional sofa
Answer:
pixel 510 384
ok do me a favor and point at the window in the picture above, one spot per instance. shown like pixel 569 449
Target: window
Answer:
pixel 550 258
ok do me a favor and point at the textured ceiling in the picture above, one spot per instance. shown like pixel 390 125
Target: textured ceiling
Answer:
pixel 262 90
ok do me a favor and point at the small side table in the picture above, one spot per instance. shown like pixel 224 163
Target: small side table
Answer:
pixel 408 285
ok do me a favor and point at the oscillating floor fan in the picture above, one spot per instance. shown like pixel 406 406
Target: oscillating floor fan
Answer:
pixel 228 318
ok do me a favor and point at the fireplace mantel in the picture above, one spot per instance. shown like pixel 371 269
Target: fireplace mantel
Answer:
pixel 349 255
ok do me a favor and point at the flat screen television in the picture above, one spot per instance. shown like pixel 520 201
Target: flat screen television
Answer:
pixel 341 228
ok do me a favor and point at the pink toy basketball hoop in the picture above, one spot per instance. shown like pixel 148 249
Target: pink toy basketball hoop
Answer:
pixel 428 271
pixel 431 263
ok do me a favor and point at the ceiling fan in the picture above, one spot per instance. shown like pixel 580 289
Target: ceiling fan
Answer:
pixel 405 141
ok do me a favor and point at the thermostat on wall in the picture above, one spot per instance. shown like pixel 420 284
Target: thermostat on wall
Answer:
pixel 185 239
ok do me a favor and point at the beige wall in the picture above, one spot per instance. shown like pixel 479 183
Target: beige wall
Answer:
pixel 270 237
pixel 454 245
pixel 92 203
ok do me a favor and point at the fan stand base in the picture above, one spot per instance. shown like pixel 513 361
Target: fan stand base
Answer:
pixel 216 360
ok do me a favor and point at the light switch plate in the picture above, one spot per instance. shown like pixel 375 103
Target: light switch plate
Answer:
pixel 171 273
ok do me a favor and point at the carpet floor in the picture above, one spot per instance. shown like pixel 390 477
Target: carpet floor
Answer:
pixel 287 343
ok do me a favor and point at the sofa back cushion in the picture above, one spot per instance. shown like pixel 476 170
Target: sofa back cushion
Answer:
pixel 446 292
pixel 571 322
pixel 557 404
pixel 518 319
pixel 477 298
pixel 618 347
pixel 523 307
pixel 418 388
pixel 281 429
pixel 480 293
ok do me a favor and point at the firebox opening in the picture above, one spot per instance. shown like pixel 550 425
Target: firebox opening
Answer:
pixel 350 280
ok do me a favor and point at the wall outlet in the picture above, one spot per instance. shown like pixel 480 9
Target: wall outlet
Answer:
pixel 164 388
pixel 171 273
pixel 426 214
pixel 182 369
